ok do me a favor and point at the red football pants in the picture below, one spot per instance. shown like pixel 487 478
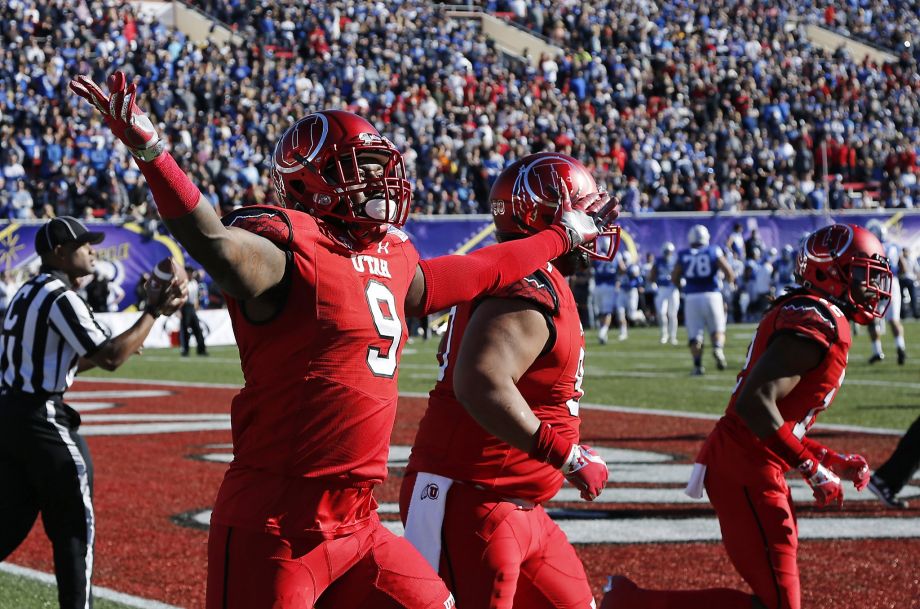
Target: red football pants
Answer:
pixel 759 531
pixel 496 555
pixel 369 569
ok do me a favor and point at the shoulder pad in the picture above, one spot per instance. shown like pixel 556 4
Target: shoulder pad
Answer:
pixel 536 288
pixel 272 223
pixel 810 318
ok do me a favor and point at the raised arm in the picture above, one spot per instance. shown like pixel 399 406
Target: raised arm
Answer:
pixel 243 264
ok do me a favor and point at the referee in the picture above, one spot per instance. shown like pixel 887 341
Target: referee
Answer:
pixel 49 334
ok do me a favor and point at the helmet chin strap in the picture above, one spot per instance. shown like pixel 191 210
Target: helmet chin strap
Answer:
pixel 843 303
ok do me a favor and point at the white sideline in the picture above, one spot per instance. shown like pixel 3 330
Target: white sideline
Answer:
pixel 97 591
pixel 662 412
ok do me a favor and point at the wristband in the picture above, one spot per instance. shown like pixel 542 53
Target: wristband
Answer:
pixel 788 448
pixel 550 447
pixel 817 449
pixel 172 190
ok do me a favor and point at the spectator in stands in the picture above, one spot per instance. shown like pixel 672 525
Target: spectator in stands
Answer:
pixel 618 96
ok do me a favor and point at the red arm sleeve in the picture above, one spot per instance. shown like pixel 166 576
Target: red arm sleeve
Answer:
pixel 450 280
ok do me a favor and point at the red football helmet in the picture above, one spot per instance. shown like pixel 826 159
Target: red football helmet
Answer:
pixel 335 164
pixel 525 198
pixel 847 264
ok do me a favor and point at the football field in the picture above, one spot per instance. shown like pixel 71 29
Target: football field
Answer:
pixel 158 430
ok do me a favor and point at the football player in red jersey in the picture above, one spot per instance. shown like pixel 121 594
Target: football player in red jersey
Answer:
pixel 795 365
pixel 318 294
pixel 501 431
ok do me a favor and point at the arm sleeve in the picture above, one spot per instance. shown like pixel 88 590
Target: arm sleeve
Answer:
pixel 450 280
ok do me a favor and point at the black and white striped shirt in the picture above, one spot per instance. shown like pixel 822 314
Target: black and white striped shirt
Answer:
pixel 47 328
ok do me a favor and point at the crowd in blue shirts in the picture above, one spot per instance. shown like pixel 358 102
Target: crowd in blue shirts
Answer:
pixel 675 106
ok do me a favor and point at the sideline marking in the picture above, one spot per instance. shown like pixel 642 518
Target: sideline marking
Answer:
pixel 605 407
pixel 664 412
pixel 97 591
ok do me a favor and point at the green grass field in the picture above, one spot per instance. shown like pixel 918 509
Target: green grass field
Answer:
pixel 638 372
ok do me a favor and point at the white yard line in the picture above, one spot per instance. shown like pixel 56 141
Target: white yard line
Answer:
pixel 664 412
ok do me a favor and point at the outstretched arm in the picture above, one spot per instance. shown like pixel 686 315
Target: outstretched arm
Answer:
pixel 243 264
pixel 442 282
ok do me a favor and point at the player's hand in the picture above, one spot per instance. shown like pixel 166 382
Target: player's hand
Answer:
pixel 825 485
pixel 586 470
pixel 128 122
pixel 584 218
pixel 854 468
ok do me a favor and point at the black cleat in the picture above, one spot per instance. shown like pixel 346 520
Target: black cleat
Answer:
pixel 877 357
pixel 902 357
pixel 881 490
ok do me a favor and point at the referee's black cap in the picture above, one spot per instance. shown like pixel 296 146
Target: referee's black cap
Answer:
pixel 63 230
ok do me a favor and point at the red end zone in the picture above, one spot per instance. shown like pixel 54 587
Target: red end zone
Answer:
pixel 151 445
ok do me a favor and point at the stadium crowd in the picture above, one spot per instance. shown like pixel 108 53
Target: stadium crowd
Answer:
pixel 676 106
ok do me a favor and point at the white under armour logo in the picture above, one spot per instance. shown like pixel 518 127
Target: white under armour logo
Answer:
pixel 383 247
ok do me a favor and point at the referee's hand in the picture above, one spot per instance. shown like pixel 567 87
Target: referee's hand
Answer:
pixel 172 298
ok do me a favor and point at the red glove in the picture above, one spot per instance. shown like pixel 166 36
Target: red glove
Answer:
pixel 128 122
pixel 586 471
pixel 825 485
pixel 580 464
pixel 854 468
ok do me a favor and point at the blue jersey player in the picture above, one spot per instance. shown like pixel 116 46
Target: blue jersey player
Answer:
pixel 698 267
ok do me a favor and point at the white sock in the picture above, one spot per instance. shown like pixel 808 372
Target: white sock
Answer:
pixel 899 343
pixel 877 346
pixel 602 333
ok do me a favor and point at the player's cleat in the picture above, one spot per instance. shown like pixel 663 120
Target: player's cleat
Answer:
pixel 619 592
pixel 674 341
pixel 902 357
pixel 876 357
pixel 623 336
pixel 881 490
pixel 602 340
pixel 698 371
pixel 663 340
pixel 720 359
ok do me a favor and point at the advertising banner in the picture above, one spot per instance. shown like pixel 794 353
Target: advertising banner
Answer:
pixel 129 250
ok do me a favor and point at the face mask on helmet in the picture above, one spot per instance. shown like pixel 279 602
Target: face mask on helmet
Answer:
pixel 846 264
pixel 334 164
pixel 525 199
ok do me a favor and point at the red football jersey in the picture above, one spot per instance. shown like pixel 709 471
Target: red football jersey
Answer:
pixel 320 377
pixel 450 443
pixel 810 317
